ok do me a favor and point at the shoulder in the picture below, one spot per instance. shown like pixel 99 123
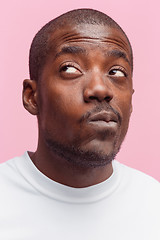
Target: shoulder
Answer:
pixel 139 176
pixel 9 172
pixel 138 182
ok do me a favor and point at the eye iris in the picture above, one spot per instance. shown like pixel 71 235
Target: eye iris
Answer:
pixel 113 72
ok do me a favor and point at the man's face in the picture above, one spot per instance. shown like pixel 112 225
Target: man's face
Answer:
pixel 85 91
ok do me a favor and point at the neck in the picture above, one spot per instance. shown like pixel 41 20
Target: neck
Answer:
pixel 64 172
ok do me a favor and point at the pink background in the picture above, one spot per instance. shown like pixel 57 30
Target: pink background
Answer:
pixel 21 19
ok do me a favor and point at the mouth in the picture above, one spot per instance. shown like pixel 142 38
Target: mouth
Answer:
pixel 104 119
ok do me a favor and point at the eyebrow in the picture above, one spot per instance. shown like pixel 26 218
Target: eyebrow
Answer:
pixel 71 49
pixel 79 50
pixel 118 54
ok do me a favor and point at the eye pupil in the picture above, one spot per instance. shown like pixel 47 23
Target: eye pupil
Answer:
pixel 113 72
pixel 64 68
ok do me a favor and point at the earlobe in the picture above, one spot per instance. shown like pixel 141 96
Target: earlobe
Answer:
pixel 30 96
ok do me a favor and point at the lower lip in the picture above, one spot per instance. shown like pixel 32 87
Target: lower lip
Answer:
pixel 102 124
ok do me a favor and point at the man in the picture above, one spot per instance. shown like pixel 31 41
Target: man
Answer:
pixel 72 188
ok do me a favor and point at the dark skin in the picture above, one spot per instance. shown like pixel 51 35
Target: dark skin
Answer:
pixel 83 99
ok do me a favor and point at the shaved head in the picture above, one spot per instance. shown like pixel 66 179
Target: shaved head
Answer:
pixel 40 45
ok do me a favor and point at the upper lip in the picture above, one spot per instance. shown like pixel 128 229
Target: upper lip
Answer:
pixel 103 116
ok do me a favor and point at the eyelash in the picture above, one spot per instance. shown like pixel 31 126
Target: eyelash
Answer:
pixel 67 65
pixel 119 68
pixel 64 66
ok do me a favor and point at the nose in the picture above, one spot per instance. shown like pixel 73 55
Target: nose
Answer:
pixel 98 88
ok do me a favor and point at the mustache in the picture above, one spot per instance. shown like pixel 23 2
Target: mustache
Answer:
pixel 99 108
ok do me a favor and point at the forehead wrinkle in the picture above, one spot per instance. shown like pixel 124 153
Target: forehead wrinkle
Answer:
pixel 59 42
pixel 72 38
pixel 95 40
pixel 79 37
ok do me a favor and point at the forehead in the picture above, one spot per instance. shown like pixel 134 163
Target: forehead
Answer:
pixel 89 38
pixel 89 34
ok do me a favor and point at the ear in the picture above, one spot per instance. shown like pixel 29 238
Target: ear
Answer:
pixel 30 96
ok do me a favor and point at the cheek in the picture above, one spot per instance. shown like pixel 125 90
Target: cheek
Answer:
pixel 60 111
pixel 123 100
pixel 67 102
pixel 125 108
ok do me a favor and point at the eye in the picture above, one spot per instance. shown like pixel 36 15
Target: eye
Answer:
pixel 69 71
pixel 117 72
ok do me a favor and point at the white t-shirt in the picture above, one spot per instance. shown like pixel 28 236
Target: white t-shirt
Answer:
pixel 33 207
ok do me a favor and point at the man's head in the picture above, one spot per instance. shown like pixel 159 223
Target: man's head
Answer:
pixel 81 88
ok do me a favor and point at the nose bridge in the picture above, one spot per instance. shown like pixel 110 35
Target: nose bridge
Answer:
pixel 97 79
pixel 97 86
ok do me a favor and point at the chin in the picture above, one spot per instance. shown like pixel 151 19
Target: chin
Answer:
pixel 97 154
pixel 93 154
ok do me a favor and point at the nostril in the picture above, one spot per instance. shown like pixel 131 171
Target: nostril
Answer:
pixel 99 98
pixel 92 97
pixel 108 98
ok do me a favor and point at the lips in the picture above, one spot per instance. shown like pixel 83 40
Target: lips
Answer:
pixel 104 120
pixel 103 116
